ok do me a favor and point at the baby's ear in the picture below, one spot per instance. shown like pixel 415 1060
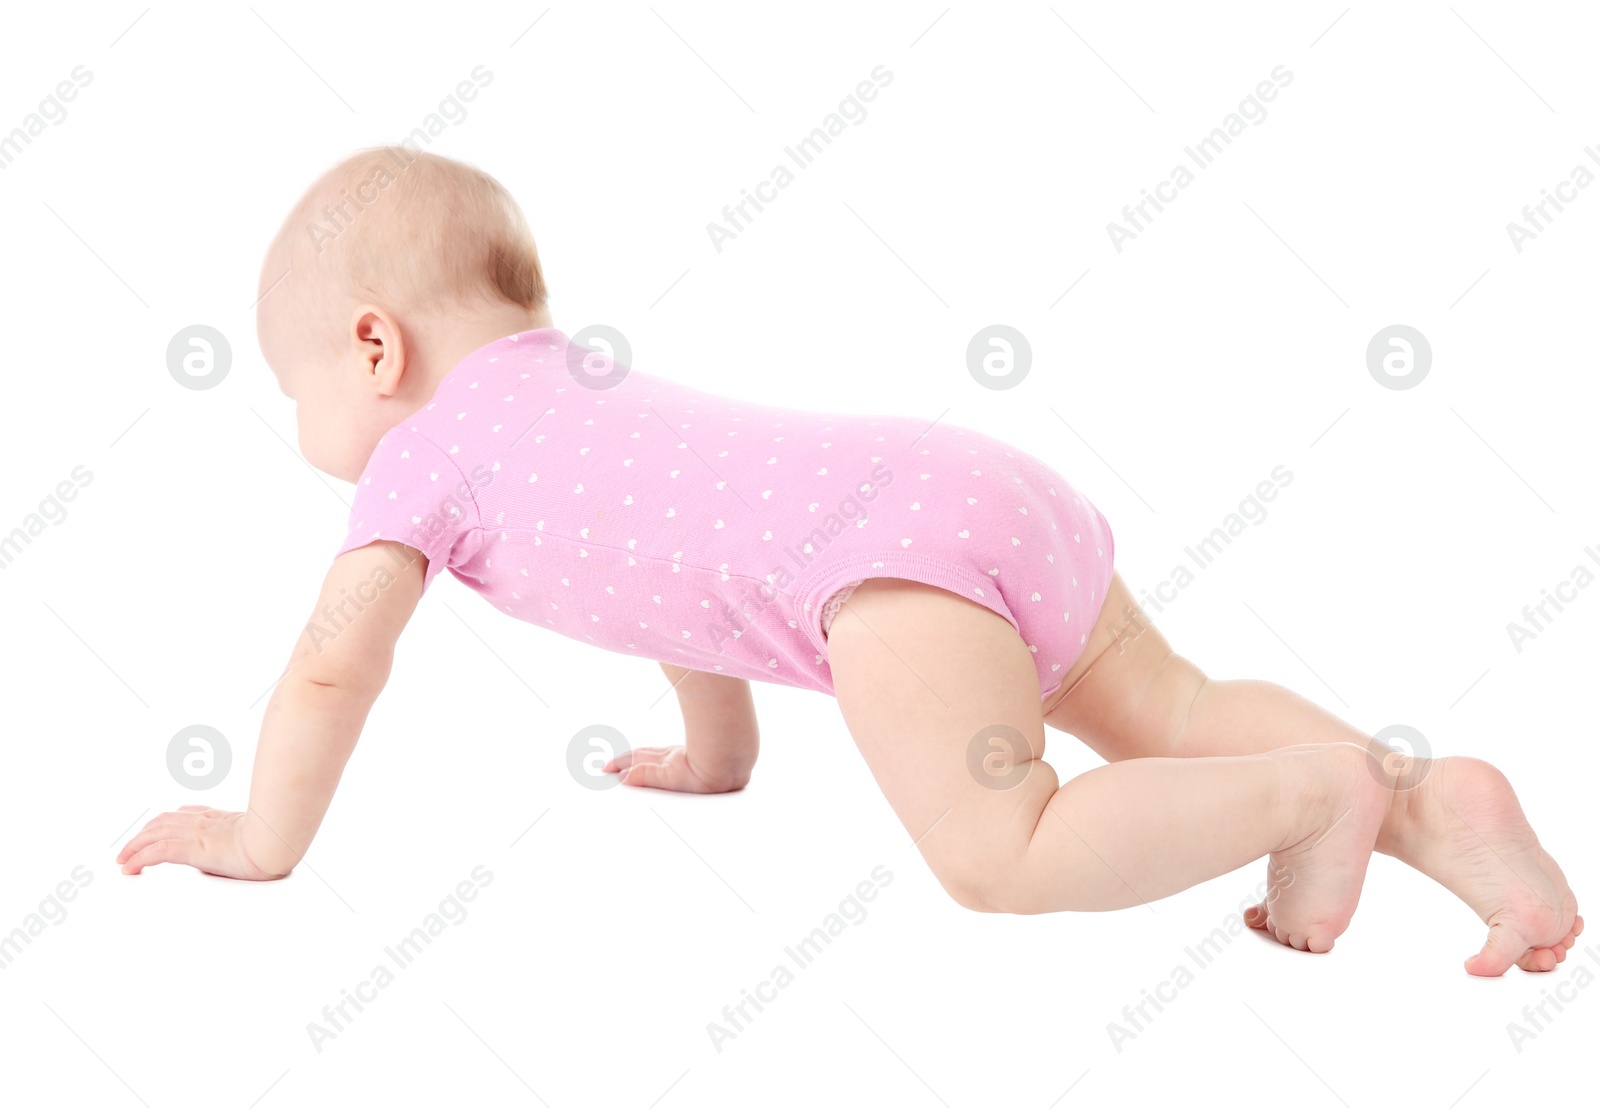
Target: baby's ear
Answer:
pixel 382 347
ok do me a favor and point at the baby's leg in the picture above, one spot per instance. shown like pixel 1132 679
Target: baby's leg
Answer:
pixel 942 697
pixel 1455 819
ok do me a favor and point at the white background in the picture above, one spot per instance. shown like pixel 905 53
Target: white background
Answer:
pixel 1227 339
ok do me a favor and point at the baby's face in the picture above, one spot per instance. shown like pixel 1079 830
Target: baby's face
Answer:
pixel 342 403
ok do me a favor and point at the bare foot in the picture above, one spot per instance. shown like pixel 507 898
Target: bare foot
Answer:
pixel 1461 824
pixel 1336 810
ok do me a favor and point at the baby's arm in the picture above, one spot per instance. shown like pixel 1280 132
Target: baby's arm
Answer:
pixel 722 739
pixel 311 725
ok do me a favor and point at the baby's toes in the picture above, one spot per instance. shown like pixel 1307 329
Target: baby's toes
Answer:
pixel 1255 916
pixel 1538 960
pixel 1319 943
pixel 1542 959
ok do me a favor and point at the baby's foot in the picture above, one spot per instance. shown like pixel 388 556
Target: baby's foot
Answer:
pixel 1461 824
pixel 1316 875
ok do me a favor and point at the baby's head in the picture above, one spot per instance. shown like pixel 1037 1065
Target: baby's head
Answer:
pixel 391 268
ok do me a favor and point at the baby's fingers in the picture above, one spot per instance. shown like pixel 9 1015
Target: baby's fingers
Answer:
pixel 637 756
pixel 648 775
pixel 177 851
pixel 162 826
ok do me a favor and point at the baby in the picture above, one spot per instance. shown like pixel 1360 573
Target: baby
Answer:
pixel 953 593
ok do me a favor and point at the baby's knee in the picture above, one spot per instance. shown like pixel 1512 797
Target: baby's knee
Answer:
pixel 971 895
pixel 979 895
pixel 998 898
pixel 996 884
pixel 984 854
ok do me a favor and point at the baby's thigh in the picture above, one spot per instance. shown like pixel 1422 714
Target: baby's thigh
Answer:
pixel 942 698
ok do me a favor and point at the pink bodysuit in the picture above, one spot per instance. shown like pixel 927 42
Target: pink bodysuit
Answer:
pixel 656 520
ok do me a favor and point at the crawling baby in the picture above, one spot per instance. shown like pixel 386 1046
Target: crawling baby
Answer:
pixel 953 593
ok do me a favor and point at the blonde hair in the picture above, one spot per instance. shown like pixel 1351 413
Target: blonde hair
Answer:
pixel 415 230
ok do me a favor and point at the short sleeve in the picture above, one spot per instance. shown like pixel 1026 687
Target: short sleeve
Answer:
pixel 412 492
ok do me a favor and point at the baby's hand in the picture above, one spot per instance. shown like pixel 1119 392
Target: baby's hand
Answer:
pixel 671 770
pixel 211 841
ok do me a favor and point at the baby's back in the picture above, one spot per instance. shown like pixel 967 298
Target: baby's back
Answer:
pixel 657 520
